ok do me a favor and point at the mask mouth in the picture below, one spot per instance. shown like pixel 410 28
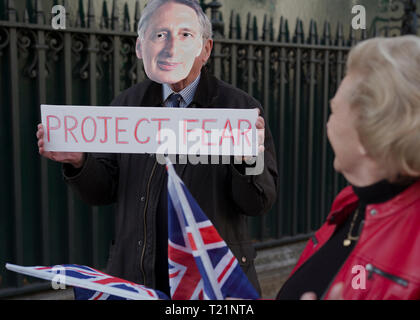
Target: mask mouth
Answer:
pixel 168 66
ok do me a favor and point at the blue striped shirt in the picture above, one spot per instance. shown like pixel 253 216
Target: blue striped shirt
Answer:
pixel 187 93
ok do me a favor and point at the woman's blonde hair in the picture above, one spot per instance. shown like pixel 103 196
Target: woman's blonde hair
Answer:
pixel 387 100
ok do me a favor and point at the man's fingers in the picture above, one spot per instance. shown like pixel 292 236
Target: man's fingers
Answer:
pixel 40 133
pixel 260 124
pixel 46 154
pixel 261 137
pixel 308 296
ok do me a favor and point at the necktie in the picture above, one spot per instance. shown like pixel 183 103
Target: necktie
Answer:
pixel 174 100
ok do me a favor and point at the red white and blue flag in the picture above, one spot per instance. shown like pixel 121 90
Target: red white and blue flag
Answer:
pixel 201 266
pixel 90 284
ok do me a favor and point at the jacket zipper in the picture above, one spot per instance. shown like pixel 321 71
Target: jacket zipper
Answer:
pixel 144 221
pixel 372 269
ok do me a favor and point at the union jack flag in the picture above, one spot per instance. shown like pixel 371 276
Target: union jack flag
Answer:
pixel 201 266
pixel 89 283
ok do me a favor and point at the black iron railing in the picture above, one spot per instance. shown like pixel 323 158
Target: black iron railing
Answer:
pixel 294 75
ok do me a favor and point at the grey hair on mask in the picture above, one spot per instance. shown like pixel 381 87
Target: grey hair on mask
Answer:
pixel 153 5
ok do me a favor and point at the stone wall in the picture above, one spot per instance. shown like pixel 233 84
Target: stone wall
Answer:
pixel 274 266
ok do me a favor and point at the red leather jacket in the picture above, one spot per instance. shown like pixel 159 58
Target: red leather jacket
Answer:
pixel 385 263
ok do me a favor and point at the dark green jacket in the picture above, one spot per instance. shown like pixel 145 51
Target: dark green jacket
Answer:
pixel 134 182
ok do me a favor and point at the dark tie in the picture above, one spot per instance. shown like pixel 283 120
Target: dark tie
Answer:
pixel 174 100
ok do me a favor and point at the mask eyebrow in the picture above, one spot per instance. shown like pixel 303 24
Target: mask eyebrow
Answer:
pixel 156 30
pixel 188 30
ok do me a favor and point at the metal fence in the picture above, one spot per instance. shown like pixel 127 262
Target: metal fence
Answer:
pixel 293 74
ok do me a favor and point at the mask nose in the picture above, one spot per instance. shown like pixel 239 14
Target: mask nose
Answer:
pixel 171 47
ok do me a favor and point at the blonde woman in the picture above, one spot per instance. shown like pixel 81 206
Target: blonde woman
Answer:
pixel 369 247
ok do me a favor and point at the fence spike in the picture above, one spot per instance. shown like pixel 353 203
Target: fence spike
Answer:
pixel 11 11
pixel 80 20
pixel 238 27
pixel 232 27
pixel 115 25
pixel 299 35
pixel 271 27
pixel 313 33
pixel 91 15
pixel 255 28
pixel 126 20
pixel 248 26
pixel 340 35
pixel 281 30
pixel 221 24
pixel 287 31
pixel 39 13
pixel 265 29
pixel 327 34
pixel 352 39
pixel 137 15
pixel 26 16
pixel 104 17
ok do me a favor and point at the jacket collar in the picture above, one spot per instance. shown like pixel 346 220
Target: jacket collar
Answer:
pixel 396 204
pixel 344 204
pixel 347 201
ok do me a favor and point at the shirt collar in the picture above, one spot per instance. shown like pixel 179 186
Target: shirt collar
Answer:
pixel 187 93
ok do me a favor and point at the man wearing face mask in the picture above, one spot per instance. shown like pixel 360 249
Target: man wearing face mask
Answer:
pixel 175 42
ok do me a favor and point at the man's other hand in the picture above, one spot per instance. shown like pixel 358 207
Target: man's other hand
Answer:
pixel 76 159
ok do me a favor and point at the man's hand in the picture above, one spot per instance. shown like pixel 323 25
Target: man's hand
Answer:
pixel 76 159
pixel 335 294
pixel 260 125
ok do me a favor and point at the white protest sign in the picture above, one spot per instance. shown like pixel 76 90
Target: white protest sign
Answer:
pixel 150 130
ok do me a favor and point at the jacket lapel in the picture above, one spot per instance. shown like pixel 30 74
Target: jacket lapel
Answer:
pixel 153 96
pixel 207 90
